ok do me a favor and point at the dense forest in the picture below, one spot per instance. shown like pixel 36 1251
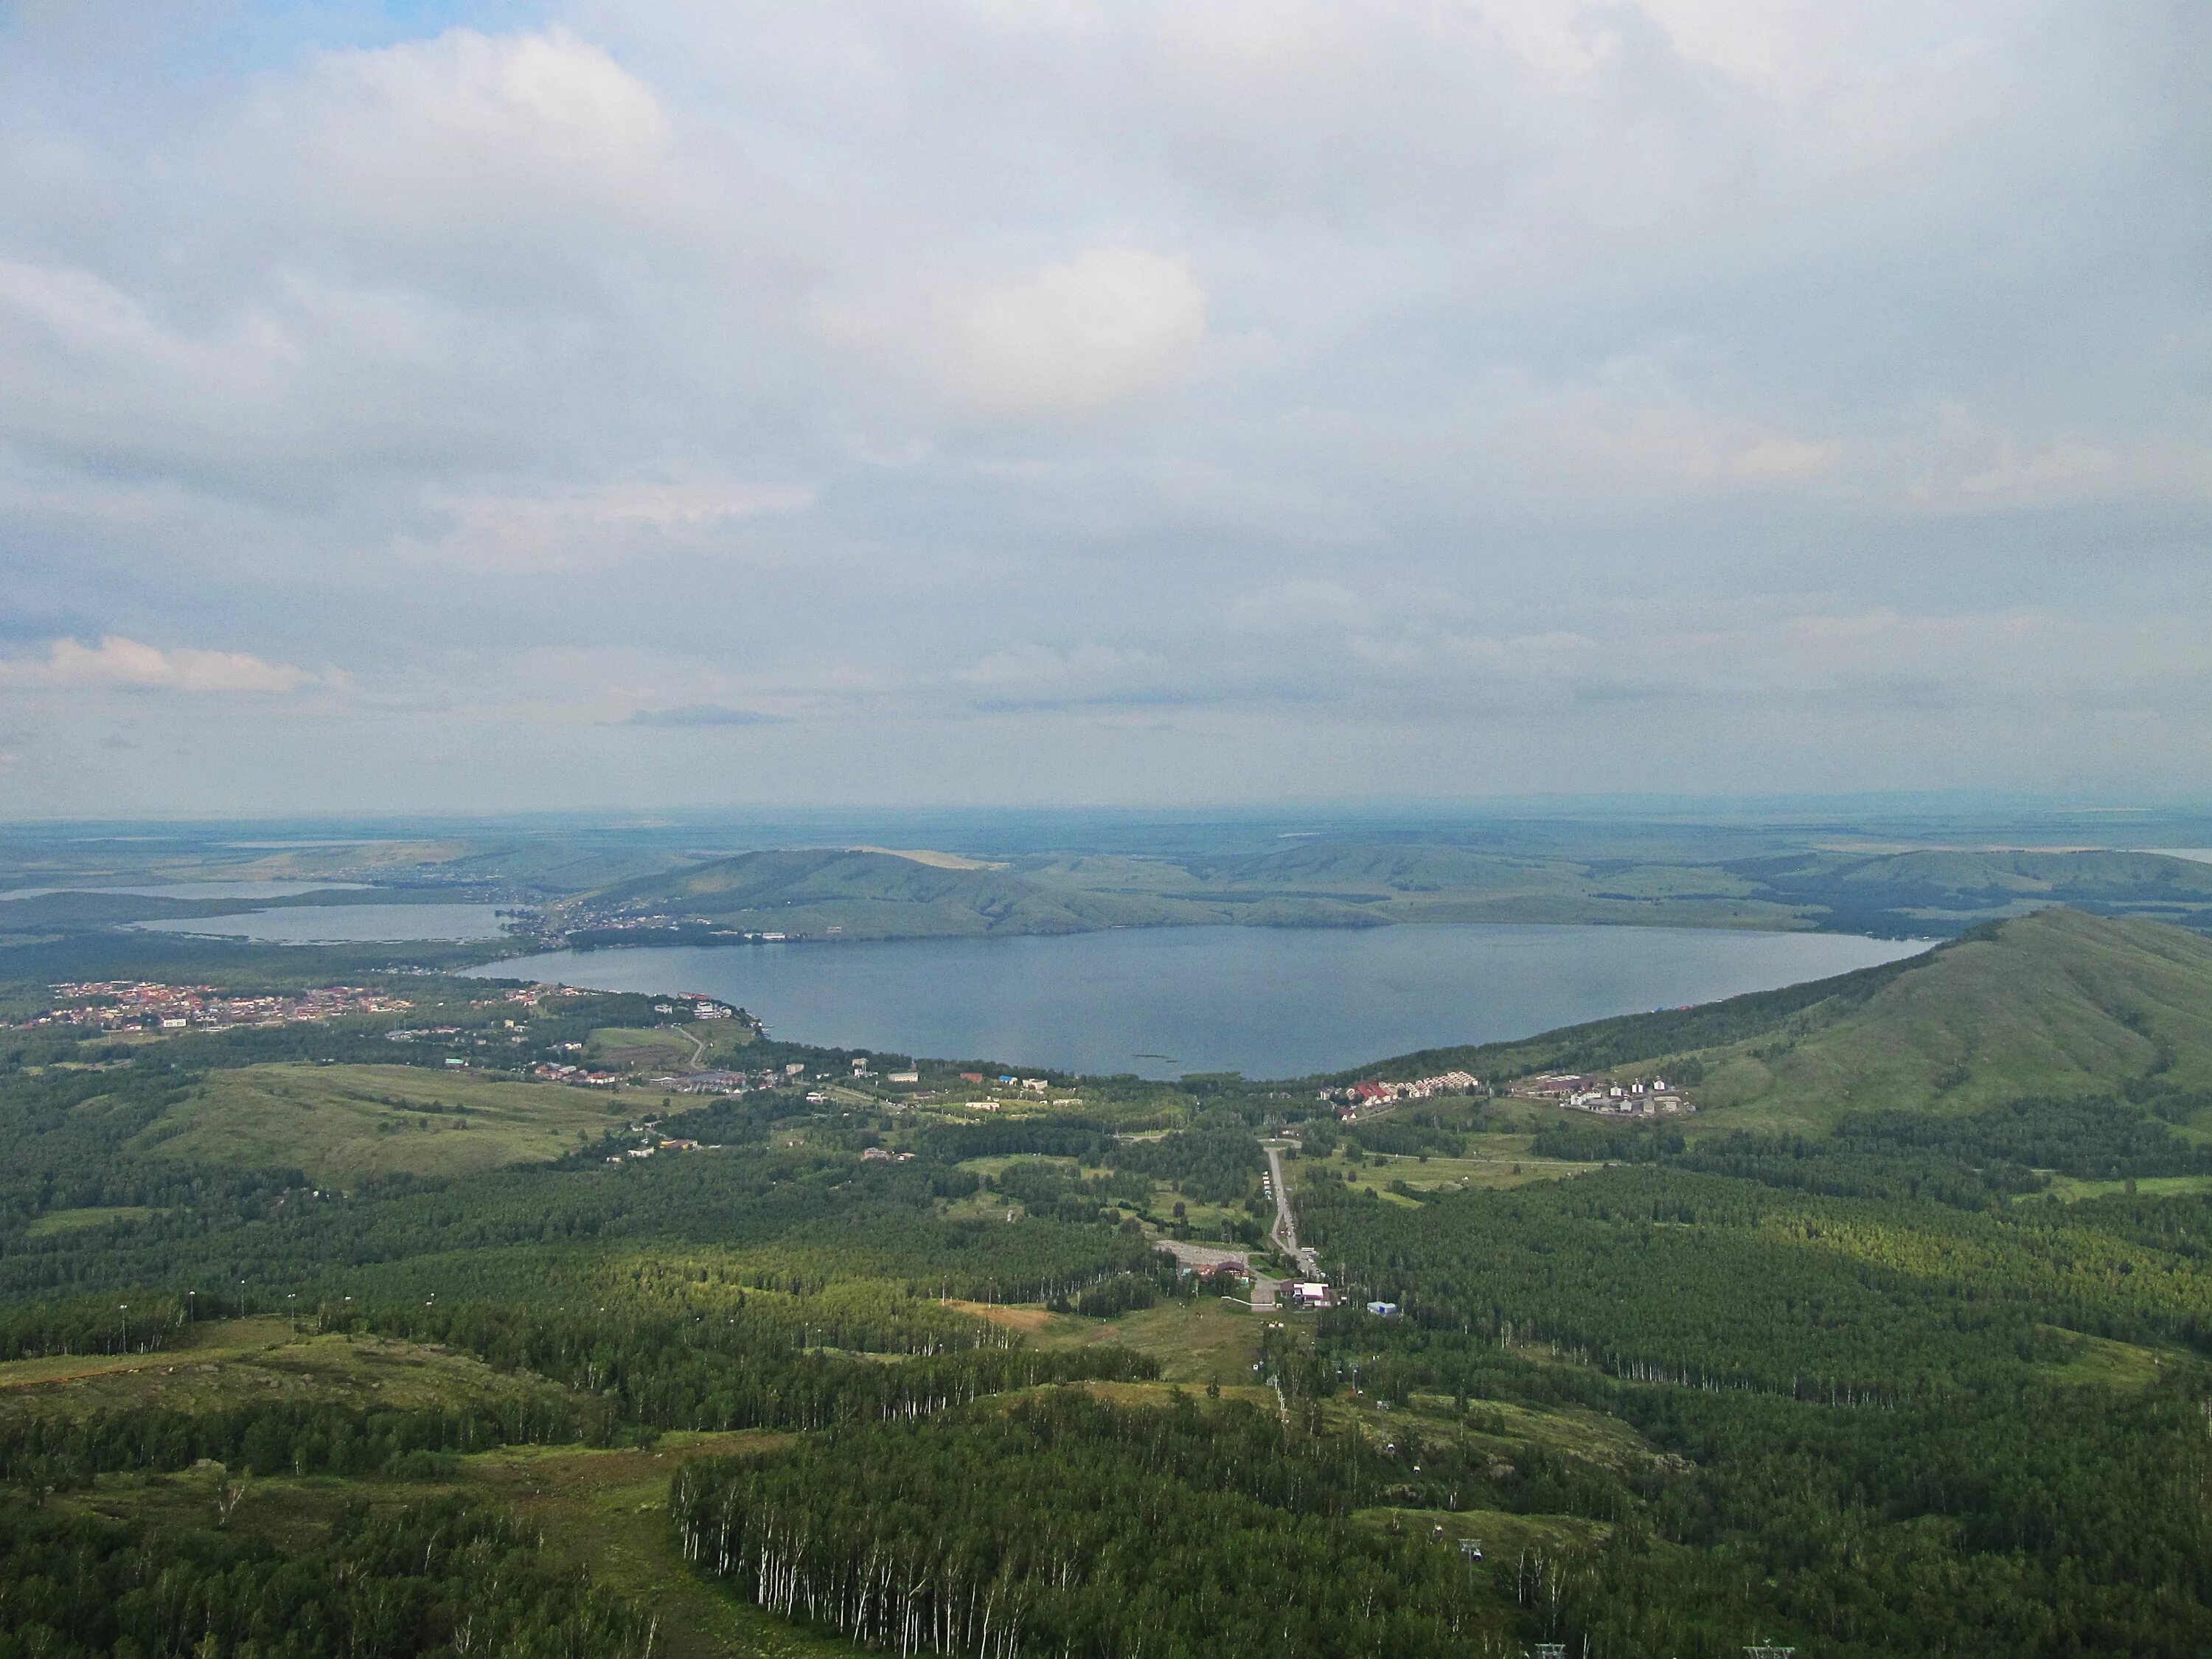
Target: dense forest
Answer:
pixel 1065 1525
pixel 1877 1380
pixel 431 1578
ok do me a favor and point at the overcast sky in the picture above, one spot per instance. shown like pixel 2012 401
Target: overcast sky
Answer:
pixel 694 402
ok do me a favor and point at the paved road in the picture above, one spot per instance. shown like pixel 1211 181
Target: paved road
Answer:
pixel 1285 1233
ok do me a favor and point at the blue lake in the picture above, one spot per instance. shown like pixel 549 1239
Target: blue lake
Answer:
pixel 1265 1001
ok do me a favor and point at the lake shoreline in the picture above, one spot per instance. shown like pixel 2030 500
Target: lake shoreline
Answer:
pixel 1263 1001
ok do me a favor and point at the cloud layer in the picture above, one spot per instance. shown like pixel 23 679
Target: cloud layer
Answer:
pixel 1148 401
pixel 125 665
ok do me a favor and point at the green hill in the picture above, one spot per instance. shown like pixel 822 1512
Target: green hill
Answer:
pixel 1943 890
pixel 864 895
pixel 2058 1003
pixel 872 895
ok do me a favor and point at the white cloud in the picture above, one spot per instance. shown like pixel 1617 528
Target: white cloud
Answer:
pixel 598 527
pixel 1034 675
pixel 1100 327
pixel 1474 356
pixel 464 144
pixel 121 663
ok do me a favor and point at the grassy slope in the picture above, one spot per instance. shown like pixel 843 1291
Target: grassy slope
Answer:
pixel 234 1362
pixel 2057 1002
pixel 2054 1003
pixel 340 1122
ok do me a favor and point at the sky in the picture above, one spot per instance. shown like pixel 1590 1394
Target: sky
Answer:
pixel 703 403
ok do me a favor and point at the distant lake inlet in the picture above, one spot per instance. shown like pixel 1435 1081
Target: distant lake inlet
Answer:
pixel 1167 1001
pixel 344 924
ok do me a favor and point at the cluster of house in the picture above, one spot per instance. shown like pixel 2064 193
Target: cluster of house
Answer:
pixel 135 1005
pixel 631 921
pixel 1036 1085
pixel 552 1072
pixel 670 1146
pixel 1354 1099
pixel 530 995
pixel 1644 1097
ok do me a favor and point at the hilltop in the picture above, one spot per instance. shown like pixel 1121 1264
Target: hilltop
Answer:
pixel 2056 1003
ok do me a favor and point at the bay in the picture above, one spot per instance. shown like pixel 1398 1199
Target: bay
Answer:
pixel 1166 1002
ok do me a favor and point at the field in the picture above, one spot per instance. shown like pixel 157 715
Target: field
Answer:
pixel 231 1362
pixel 341 1123
pixel 607 1512
pixel 1196 1342
pixel 2074 1187
pixel 1496 1163
pixel 695 1045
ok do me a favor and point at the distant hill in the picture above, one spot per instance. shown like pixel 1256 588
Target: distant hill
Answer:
pixel 874 895
pixel 1933 891
pixel 868 893
pixel 2056 1003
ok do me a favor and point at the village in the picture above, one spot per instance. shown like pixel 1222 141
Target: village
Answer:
pixel 146 1006
pixel 1644 1097
pixel 1351 1101
pixel 1571 1091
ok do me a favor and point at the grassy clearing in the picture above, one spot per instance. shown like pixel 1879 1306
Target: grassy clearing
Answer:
pixel 1498 1162
pixel 2070 1188
pixel 1585 1434
pixel 999 1165
pixel 57 1222
pixel 1030 1318
pixel 341 1123
pixel 606 1511
pixel 2097 1360
pixel 662 1048
pixel 236 1362
pixel 1196 1342
pixel 289 1512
